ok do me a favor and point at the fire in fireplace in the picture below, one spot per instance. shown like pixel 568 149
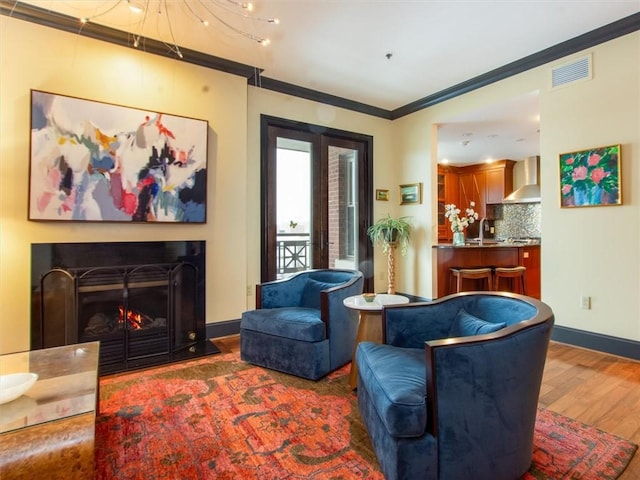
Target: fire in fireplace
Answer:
pixel 102 323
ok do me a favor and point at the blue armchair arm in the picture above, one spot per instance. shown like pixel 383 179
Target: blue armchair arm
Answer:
pixel 281 293
pixel 332 309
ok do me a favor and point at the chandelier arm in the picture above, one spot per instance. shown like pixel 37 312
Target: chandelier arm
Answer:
pixel 137 36
pixel 85 20
pixel 193 12
pixel 255 38
pixel 235 11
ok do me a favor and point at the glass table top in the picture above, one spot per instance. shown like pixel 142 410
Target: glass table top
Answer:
pixel 67 385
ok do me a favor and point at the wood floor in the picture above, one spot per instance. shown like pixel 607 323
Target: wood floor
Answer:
pixel 592 387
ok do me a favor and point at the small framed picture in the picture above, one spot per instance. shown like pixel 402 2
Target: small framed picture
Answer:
pixel 410 193
pixel 382 195
pixel 590 178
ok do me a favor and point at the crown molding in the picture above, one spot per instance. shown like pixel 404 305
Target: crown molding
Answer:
pixel 321 97
pixel 603 34
pixel 48 18
pixel 254 78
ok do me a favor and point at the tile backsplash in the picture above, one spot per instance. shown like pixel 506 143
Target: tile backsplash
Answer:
pixel 519 220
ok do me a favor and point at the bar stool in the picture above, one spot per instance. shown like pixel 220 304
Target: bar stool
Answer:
pixel 459 274
pixel 512 273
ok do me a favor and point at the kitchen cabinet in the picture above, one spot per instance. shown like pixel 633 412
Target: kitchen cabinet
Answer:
pixel 485 184
pixel 529 257
pixel 482 184
pixel 473 189
pixel 499 182
pixel 448 188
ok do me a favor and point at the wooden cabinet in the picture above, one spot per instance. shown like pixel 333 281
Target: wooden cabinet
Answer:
pixel 496 256
pixel 485 184
pixel 473 189
pixel 499 182
pixel 482 184
pixel 529 257
pixel 448 188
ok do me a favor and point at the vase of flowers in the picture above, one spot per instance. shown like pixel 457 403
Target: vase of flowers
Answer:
pixel 460 221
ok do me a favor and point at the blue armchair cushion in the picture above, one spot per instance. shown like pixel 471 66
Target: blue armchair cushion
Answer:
pixel 311 292
pixel 396 381
pixel 465 325
pixel 297 323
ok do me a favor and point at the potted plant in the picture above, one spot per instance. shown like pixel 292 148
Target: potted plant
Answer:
pixel 391 232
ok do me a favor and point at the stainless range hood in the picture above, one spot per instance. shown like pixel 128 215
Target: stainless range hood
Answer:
pixel 530 191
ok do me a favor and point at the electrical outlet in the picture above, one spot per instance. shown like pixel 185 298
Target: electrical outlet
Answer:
pixel 249 291
pixel 585 303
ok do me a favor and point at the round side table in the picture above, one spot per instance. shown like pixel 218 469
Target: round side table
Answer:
pixel 369 322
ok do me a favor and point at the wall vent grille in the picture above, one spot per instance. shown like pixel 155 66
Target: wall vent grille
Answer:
pixel 574 71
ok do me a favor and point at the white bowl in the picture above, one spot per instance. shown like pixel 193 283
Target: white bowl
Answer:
pixel 15 384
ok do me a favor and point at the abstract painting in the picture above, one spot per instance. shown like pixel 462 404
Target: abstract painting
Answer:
pixel 590 177
pixel 99 162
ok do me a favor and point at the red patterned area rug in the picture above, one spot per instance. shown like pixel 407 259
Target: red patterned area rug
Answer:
pixel 220 418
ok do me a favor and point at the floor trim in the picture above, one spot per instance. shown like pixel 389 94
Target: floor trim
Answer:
pixel 597 341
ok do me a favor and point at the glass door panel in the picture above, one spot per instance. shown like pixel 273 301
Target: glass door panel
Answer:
pixel 293 207
pixel 343 207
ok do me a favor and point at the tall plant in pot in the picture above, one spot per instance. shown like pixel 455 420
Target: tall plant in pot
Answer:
pixel 391 233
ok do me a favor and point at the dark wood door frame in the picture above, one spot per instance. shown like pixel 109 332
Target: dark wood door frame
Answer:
pixel 269 126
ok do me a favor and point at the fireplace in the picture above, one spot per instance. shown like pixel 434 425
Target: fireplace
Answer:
pixel 143 309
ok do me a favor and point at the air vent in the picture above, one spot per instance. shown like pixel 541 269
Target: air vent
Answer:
pixel 574 71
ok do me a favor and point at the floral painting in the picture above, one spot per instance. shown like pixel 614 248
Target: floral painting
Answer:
pixel 591 177
pixel 93 161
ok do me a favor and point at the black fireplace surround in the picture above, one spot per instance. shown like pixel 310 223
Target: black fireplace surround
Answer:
pixel 144 301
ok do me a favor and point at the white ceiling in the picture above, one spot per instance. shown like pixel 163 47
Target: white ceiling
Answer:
pixel 509 129
pixel 340 47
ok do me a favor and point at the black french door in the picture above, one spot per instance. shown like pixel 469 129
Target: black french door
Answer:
pixel 316 199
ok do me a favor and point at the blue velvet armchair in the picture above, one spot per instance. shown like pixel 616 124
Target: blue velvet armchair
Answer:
pixel 452 392
pixel 300 325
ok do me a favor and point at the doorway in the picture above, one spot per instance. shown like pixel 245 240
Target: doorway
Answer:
pixel 316 199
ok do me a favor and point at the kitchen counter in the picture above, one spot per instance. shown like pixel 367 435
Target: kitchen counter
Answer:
pixel 473 255
pixel 490 243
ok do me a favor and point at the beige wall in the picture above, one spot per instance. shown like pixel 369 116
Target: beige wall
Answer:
pixel 58 62
pixel 586 251
pixel 595 251
pixel 592 251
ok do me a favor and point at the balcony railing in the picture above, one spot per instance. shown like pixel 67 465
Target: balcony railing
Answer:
pixel 292 252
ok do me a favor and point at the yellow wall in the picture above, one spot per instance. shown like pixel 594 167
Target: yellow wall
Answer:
pixel 586 251
pixel 63 63
pixel 590 251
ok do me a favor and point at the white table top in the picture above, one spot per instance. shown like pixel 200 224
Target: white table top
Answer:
pixel 357 302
